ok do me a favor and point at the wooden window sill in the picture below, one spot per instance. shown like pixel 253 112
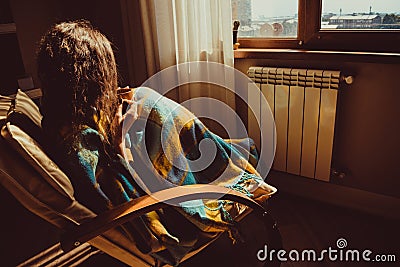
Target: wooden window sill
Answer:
pixel 298 54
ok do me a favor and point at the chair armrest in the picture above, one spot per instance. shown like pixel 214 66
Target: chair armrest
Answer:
pixel 140 206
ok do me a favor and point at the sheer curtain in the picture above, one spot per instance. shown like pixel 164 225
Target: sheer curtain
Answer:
pixel 180 31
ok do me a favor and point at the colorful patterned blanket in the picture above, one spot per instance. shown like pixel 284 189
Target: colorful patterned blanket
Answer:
pixel 166 145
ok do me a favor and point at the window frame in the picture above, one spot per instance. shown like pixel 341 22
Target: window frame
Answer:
pixel 310 36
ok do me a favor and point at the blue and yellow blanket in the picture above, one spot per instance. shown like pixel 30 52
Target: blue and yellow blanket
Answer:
pixel 166 145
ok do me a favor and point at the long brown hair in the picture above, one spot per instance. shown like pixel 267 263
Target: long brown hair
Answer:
pixel 77 69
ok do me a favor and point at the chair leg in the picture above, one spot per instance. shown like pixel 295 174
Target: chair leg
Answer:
pixel 55 256
pixel 157 263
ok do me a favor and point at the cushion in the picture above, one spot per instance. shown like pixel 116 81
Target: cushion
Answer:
pixel 5 104
pixel 25 105
pixel 27 172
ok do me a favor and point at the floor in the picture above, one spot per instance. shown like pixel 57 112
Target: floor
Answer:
pixel 309 225
pixel 303 224
pixel 306 224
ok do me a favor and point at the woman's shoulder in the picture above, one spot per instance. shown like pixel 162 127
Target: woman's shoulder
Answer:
pixel 89 138
pixel 89 147
pixel 84 139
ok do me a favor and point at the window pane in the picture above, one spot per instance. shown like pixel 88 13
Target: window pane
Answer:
pixel 360 14
pixel 266 18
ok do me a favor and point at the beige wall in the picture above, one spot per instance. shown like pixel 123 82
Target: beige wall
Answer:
pixel 367 137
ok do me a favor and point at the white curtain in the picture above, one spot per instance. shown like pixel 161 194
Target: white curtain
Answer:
pixel 195 30
pixel 180 31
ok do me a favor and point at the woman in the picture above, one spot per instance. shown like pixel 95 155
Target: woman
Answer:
pixel 77 69
pixel 83 122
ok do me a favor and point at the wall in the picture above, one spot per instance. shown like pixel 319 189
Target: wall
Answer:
pixel 367 133
pixel 366 141
pixel 33 18
pixel 12 67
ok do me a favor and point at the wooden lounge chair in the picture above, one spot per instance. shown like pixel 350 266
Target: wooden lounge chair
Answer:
pixel 42 188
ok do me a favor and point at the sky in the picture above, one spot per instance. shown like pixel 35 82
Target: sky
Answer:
pixel 358 6
pixel 273 8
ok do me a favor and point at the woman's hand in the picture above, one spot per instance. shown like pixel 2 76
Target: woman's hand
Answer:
pixel 125 117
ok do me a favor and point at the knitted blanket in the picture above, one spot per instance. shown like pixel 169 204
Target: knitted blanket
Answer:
pixel 167 146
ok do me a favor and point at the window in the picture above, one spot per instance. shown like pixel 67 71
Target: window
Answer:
pixel 271 19
pixel 339 25
pixel 360 14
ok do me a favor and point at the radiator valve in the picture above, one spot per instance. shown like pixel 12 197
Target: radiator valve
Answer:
pixel 338 174
pixel 348 79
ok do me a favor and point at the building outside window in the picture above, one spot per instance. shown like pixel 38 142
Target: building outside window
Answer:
pixel 356 25
pixel 260 18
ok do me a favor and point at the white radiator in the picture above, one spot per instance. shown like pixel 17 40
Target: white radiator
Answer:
pixel 303 103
